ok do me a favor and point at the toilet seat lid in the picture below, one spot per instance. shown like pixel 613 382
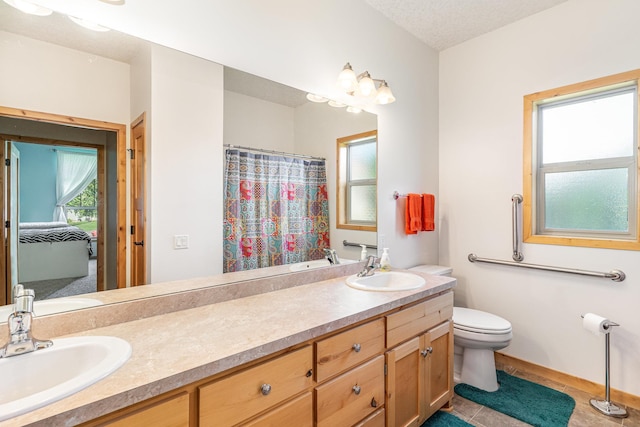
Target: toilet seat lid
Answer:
pixel 479 321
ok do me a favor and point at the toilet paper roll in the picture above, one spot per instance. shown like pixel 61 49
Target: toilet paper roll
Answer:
pixel 596 324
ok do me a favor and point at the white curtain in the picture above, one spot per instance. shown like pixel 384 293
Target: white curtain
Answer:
pixel 75 173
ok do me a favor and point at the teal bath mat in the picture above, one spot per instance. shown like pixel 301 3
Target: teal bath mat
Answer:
pixel 444 419
pixel 532 403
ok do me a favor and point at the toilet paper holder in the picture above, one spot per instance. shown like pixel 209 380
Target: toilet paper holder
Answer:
pixel 608 325
pixel 605 406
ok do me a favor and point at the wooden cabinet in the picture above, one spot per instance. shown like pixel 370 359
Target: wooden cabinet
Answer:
pixel 394 370
pixel 238 397
pixel 172 411
pixel 439 369
pixel 352 396
pixel 377 419
pixel 298 412
pixel 419 377
pixel 349 348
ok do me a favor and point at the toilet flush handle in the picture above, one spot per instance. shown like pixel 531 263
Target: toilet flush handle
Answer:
pixel 427 351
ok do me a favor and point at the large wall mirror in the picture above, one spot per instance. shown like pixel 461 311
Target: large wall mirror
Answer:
pixel 258 113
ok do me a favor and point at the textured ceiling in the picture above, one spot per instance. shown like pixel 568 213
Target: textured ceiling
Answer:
pixel 445 23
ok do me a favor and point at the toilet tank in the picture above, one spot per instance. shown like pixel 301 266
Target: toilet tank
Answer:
pixel 437 270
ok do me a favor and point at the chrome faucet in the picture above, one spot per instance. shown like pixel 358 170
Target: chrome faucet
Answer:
pixel 371 264
pixel 20 338
pixel 332 256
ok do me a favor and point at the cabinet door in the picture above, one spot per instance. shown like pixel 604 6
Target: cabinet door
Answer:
pixel 439 368
pixel 404 384
pixel 298 412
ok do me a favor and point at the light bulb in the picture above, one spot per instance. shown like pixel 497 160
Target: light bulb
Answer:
pixel 28 7
pixel 337 104
pixel 384 94
pixel 366 85
pixel 347 80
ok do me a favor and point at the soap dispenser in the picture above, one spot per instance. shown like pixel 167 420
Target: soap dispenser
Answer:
pixel 385 262
pixel 363 254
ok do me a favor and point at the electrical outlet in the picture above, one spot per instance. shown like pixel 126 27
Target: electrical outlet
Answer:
pixel 181 241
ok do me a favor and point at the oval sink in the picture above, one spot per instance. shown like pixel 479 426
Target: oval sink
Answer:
pixel 36 379
pixel 307 265
pixel 51 306
pixel 386 281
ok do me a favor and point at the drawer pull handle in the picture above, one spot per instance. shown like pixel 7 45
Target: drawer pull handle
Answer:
pixel 356 348
pixel 309 373
pixel 265 389
pixel 356 389
pixel 374 404
pixel 426 351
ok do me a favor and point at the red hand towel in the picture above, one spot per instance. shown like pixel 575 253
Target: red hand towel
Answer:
pixel 413 214
pixel 428 212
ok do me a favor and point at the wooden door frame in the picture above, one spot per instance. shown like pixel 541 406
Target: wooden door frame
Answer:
pixel 139 121
pixel 120 131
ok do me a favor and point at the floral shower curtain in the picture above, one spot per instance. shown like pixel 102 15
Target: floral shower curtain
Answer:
pixel 276 210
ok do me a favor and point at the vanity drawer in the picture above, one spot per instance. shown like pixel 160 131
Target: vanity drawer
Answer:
pixel 232 399
pixel 352 396
pixel 298 413
pixel 347 349
pixel 411 321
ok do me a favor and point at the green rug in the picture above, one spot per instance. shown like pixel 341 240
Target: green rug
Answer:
pixel 444 419
pixel 532 403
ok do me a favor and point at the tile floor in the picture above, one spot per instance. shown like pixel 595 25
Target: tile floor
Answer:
pixel 583 414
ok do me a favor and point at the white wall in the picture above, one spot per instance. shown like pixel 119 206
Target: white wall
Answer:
pixel 253 122
pixel 185 159
pixel 40 76
pixel 482 84
pixel 305 44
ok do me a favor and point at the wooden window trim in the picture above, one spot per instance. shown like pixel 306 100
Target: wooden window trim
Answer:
pixel 341 207
pixel 528 167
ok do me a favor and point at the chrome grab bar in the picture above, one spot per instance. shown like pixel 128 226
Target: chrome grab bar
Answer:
pixel 357 245
pixel 615 275
pixel 516 200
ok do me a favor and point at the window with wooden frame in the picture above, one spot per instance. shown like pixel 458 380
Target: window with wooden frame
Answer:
pixel 581 164
pixel 357 182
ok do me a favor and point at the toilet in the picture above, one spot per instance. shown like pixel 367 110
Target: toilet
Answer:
pixel 476 335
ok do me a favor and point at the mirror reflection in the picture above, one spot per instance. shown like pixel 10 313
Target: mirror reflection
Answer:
pixel 281 199
pixel 258 114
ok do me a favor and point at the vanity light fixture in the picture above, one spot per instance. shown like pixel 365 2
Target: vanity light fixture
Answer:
pixel 316 98
pixel 28 7
pixel 364 86
pixel 337 104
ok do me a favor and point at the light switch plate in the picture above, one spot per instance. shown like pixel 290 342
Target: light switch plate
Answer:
pixel 181 241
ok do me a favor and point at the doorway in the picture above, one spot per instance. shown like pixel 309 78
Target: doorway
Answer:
pixel 110 244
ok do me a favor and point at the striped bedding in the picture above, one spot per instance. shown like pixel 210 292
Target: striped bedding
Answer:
pixel 38 232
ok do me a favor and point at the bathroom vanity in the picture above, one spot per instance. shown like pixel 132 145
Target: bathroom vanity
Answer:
pixel 319 354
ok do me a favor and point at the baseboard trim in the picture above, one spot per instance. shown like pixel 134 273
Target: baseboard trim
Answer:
pixel 597 390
